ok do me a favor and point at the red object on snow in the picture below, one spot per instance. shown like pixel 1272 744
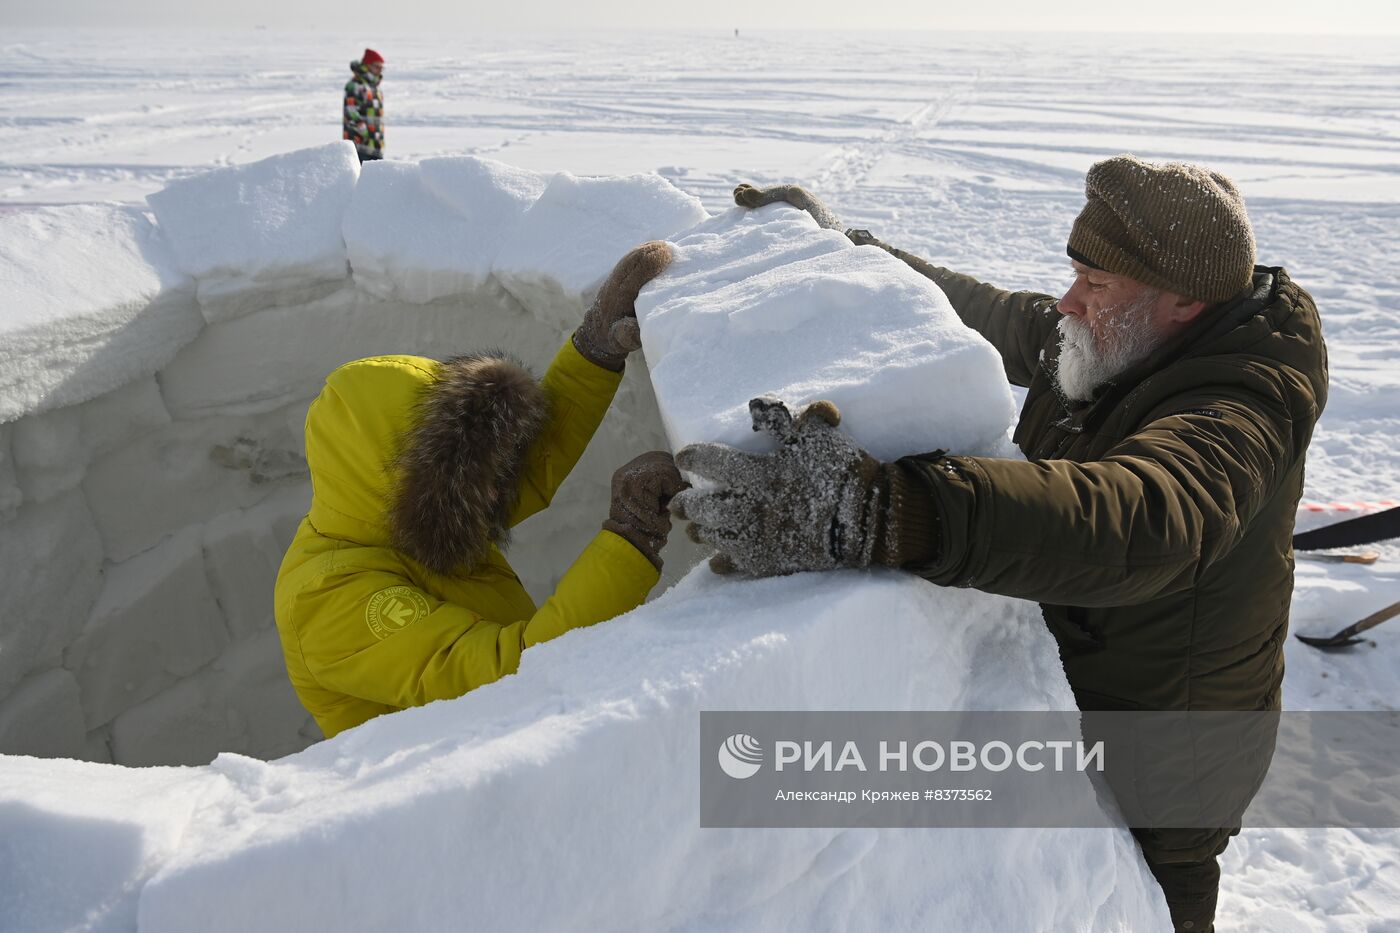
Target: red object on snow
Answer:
pixel 371 57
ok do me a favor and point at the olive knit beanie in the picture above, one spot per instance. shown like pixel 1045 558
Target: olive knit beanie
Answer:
pixel 1173 226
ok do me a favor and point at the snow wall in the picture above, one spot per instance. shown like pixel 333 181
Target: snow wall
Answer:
pixel 151 473
pixel 155 371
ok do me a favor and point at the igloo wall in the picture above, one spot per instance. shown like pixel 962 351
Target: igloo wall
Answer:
pixel 153 473
pixel 155 371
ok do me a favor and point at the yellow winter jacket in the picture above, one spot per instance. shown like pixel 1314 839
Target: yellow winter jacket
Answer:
pixel 366 629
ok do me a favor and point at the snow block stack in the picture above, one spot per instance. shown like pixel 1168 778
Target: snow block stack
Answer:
pixel 155 370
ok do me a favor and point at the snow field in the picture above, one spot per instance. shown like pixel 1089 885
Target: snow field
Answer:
pixel 152 470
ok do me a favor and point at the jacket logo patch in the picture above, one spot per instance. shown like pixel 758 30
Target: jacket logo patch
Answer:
pixel 394 609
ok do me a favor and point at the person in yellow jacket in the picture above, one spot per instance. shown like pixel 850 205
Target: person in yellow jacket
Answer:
pixel 394 591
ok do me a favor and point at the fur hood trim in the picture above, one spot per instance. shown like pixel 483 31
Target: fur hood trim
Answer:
pixel 459 467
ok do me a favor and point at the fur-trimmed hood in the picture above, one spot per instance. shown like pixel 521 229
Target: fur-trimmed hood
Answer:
pixel 422 456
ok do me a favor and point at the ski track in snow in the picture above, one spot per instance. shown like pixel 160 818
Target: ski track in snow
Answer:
pixel 969 150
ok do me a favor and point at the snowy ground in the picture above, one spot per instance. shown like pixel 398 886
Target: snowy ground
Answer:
pixel 969 150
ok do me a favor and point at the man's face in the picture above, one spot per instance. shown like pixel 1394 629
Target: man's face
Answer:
pixel 1109 322
pixel 375 68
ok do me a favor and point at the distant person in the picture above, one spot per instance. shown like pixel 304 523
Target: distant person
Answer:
pixel 364 106
pixel 395 591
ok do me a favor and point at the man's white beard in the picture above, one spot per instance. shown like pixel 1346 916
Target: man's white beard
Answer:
pixel 1084 366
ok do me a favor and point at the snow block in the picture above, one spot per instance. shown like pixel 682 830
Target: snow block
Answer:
pixel 43 718
pixel 242 551
pixel 189 471
pixel 765 303
pixel 93 299
pixel 463 789
pixel 10 494
pixel 154 623
pixel 415 241
pixel 53 450
pixel 266 233
pixel 98 746
pixel 78 840
pixel 279 356
pixel 577 231
pixel 50 573
pixel 243 702
pixel 493 195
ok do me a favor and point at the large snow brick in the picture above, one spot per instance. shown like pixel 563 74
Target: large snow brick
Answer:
pixel 494 195
pixel 242 703
pixel 53 450
pixel 188 471
pixel 416 232
pixel 154 623
pixel 50 574
pixel 78 840
pixel 283 355
pixel 43 718
pixel 266 233
pixel 764 303
pixel 10 494
pixel 577 231
pixel 242 552
pixel 93 300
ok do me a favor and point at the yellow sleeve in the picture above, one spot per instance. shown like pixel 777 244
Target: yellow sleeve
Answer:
pixel 579 394
pixel 374 636
pixel 609 578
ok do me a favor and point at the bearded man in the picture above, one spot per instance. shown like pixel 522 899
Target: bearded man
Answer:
pixel 1173 390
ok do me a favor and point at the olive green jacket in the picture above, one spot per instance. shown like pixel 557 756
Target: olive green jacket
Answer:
pixel 1154 523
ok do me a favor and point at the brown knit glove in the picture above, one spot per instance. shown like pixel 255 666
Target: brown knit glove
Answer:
pixel 609 330
pixel 816 503
pixel 799 197
pixel 641 490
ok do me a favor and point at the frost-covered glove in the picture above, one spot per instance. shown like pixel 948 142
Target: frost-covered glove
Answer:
pixel 609 330
pixel 641 491
pixel 816 503
pixel 799 197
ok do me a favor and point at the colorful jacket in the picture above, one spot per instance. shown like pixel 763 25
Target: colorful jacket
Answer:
pixel 394 592
pixel 363 121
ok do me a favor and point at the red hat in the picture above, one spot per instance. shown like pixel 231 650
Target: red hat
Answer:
pixel 371 57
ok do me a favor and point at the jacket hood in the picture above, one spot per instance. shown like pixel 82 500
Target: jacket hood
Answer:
pixel 421 456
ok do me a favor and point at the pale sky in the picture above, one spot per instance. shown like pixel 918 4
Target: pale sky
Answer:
pixel 1357 17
